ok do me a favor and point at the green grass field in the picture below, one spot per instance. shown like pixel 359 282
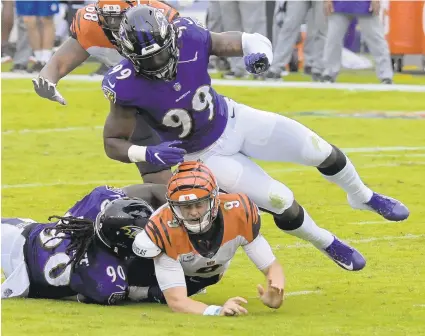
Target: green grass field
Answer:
pixel 60 158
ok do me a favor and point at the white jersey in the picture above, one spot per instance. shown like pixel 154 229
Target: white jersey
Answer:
pixel 184 256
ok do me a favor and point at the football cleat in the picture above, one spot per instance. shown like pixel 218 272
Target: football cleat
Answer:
pixel 345 256
pixel 387 207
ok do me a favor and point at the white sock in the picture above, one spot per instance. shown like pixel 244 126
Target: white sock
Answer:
pixel 38 55
pixel 46 55
pixel 310 232
pixel 349 180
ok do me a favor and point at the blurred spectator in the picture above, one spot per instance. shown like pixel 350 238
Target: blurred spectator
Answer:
pixel 214 23
pixel 295 16
pixel 246 16
pixel 308 47
pixel 38 19
pixel 23 51
pixel 7 17
pixel 340 15
pixel 73 7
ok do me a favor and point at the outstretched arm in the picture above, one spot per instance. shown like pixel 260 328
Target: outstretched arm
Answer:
pixel 260 253
pixel 70 55
pixel 171 279
pixel 232 43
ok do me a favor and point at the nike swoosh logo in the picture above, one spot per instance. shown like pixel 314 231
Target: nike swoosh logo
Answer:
pixel 159 159
pixel 194 59
pixel 233 113
pixel 193 280
pixel 182 96
pixel 111 85
pixel 349 267
pixel 122 287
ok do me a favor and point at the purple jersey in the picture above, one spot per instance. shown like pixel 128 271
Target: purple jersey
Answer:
pixel 100 276
pixel 90 206
pixel 187 108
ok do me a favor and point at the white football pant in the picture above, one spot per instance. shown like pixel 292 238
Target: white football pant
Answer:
pixel 251 133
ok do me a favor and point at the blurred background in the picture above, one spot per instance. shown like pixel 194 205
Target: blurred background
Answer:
pixel 308 37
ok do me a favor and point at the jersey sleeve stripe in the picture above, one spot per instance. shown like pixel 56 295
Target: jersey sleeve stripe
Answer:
pixel 254 213
pixel 157 232
pixel 164 228
pixel 151 233
pixel 256 219
pixel 245 206
pixel 79 20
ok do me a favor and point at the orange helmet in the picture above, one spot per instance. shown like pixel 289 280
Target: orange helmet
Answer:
pixel 111 12
pixel 193 196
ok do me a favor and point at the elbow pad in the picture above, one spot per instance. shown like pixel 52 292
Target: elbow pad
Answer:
pixel 144 247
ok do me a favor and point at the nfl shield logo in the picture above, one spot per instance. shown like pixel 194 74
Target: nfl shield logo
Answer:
pixel 177 87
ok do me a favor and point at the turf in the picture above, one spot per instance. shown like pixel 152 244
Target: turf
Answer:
pixel 47 169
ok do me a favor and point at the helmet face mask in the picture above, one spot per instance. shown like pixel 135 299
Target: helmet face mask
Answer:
pixel 119 222
pixel 111 12
pixel 196 215
pixel 193 197
pixel 149 41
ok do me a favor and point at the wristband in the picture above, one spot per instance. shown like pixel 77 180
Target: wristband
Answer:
pixel 213 310
pixel 137 153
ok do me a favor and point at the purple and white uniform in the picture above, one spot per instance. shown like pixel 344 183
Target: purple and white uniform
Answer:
pixel 187 108
pixel 100 276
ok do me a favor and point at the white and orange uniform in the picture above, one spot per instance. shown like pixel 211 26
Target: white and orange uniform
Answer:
pixel 240 223
pixel 86 30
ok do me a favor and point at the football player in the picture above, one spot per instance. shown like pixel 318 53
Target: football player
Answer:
pixel 165 79
pixel 94 33
pixel 73 257
pixel 198 233
pixel 91 244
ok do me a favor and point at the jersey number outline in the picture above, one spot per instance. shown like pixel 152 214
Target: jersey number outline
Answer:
pixel 202 101
pixel 110 271
pixel 231 204
pixel 55 272
pixel 90 14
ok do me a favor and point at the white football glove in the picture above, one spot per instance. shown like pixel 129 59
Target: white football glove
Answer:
pixel 46 89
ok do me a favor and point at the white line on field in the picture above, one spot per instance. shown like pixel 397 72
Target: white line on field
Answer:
pixel 53 184
pixel 63 90
pixel 287 170
pixel 372 222
pixel 259 84
pixel 51 130
pixel 356 241
pixel 394 155
pixel 305 292
pixel 419 305
pixel 390 164
pixel 381 149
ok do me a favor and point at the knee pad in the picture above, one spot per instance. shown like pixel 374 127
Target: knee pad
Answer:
pixel 334 163
pixel 291 219
pixel 279 198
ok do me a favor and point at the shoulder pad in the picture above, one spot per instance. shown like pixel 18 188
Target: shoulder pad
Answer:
pixel 144 247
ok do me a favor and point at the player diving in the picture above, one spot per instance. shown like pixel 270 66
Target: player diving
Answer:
pixel 164 79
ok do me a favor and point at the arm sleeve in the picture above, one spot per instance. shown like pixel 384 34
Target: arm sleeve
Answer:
pixel 260 252
pixel 169 272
